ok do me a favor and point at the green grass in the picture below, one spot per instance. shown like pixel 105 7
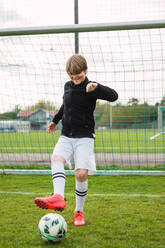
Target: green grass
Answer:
pixel 115 140
pixel 112 222
pixel 101 167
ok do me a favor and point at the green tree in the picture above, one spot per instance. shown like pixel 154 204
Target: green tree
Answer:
pixel 16 109
pixel 43 104
pixel 133 101
pixel 8 116
pixel 121 115
pixel 162 102
pixel 102 115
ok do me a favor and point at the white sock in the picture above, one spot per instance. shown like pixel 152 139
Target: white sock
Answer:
pixel 81 192
pixel 58 176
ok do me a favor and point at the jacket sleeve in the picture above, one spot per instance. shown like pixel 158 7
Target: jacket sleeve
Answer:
pixel 105 93
pixel 59 115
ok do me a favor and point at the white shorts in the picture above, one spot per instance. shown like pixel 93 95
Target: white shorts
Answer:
pixel 81 149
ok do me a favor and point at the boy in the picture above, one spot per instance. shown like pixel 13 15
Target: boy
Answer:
pixel 77 136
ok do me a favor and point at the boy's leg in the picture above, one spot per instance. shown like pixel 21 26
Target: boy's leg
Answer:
pixel 84 162
pixel 62 152
pixel 58 174
pixel 81 188
pixel 81 192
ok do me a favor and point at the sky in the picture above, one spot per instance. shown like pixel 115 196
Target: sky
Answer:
pixel 52 12
pixel 23 84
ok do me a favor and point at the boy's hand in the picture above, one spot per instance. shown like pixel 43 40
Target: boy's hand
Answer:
pixel 51 127
pixel 91 87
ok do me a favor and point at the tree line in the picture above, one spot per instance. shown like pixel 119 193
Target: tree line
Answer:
pixel 106 115
pixel 42 104
pixel 133 114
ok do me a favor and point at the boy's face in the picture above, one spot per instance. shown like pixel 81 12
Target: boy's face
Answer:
pixel 78 78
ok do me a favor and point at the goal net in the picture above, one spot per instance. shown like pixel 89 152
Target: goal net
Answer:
pixel 32 69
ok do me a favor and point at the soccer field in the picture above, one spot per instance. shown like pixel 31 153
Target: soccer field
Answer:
pixel 107 141
pixel 120 212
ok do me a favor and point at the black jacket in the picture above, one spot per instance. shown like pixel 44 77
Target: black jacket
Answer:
pixel 78 106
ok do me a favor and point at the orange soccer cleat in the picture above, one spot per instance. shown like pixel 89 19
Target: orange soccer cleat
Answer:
pixel 55 202
pixel 79 218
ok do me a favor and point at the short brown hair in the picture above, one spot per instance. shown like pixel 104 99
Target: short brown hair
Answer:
pixel 76 64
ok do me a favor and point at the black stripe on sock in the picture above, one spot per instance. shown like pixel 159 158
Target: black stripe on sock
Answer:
pixel 81 193
pixel 58 177
pixel 58 174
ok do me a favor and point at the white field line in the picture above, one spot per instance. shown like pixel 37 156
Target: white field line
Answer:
pixel 99 195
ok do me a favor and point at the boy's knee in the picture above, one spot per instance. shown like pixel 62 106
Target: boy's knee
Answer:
pixel 57 158
pixel 81 175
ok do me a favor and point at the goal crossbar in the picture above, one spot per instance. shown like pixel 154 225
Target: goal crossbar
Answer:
pixel 114 26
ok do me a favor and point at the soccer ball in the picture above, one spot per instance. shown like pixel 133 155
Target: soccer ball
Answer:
pixel 52 227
